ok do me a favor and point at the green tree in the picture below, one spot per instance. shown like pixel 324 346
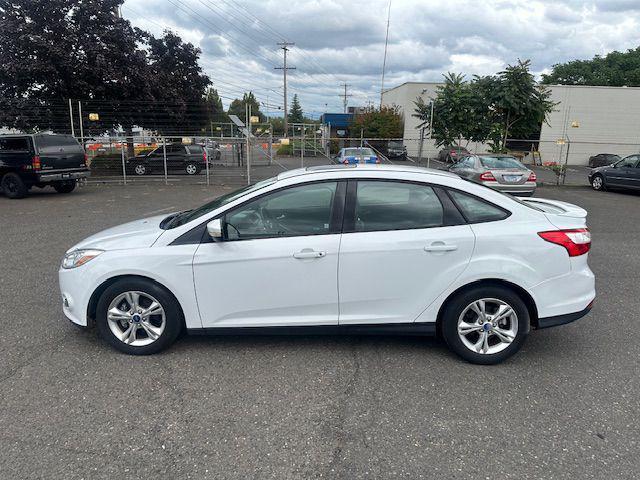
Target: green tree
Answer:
pixel 238 107
pixel 616 69
pixel 451 111
pixel 81 49
pixel 520 103
pixel 214 109
pixel 296 115
pixel 384 122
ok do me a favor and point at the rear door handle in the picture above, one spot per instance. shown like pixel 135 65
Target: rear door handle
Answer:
pixel 440 247
pixel 309 253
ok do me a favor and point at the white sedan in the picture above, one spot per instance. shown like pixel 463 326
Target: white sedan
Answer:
pixel 353 249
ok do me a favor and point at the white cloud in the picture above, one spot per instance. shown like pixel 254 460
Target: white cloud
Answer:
pixel 344 41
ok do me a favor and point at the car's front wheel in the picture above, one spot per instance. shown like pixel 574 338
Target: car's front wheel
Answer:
pixel 485 325
pixel 140 169
pixel 597 182
pixel 138 317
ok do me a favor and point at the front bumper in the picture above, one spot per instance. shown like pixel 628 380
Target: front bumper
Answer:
pixel 62 175
pixel 76 292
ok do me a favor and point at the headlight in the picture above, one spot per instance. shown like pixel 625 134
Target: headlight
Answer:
pixel 79 257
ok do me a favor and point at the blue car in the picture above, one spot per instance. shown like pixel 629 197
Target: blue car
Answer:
pixel 353 155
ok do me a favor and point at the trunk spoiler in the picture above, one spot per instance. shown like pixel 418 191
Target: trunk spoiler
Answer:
pixel 555 207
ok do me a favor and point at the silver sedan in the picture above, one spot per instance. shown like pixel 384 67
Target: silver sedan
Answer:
pixel 498 171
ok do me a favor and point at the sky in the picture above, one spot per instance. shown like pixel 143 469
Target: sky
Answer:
pixel 343 41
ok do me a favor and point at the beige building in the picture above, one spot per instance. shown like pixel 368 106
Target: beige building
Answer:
pixel 586 121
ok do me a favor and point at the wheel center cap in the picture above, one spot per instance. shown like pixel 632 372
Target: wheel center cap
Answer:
pixel 487 326
pixel 136 318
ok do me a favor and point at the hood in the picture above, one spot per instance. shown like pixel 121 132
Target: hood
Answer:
pixel 137 234
pixel 600 169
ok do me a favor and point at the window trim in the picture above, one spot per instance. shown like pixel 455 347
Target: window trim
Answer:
pixel 449 189
pixel 350 206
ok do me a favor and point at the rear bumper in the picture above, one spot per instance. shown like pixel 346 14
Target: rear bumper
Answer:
pixel 563 319
pixel 527 188
pixel 62 175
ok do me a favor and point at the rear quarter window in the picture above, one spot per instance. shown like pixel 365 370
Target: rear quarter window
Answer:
pixel 14 144
pixel 476 210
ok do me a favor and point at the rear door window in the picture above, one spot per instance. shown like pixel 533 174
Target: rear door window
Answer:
pixel 382 205
pixel 52 144
pixel 476 210
pixel 194 149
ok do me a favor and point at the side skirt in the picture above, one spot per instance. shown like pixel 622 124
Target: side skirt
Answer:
pixel 417 329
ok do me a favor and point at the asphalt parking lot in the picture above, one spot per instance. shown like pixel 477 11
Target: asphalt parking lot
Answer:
pixel 567 406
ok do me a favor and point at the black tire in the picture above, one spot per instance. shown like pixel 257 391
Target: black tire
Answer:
pixel 65 187
pixel 597 182
pixel 456 307
pixel 192 168
pixel 13 186
pixel 173 315
pixel 141 169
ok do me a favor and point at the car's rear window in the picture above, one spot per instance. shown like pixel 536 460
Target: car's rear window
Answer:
pixel 501 162
pixel 54 143
pixel 18 144
pixel 358 151
pixel 194 148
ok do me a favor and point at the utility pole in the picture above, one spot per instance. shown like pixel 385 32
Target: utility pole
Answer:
pixel 284 69
pixel 345 96
pixel 384 61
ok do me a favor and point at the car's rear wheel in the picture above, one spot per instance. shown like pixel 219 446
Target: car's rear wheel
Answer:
pixel 485 325
pixel 140 169
pixel 597 182
pixel 192 168
pixel 65 187
pixel 138 317
pixel 13 186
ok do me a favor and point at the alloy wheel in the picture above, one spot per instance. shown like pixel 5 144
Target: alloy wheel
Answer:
pixel 136 318
pixel 596 183
pixel 140 169
pixel 487 326
pixel 192 169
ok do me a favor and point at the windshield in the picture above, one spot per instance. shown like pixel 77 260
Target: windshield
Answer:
pixel 352 152
pixel 501 162
pixel 189 215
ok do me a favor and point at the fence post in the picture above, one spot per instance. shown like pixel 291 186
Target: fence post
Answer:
pixel 124 168
pixel 302 147
pixel 81 126
pixel 206 161
pixel 270 144
pixel 248 123
pixel 164 159
pixel 73 133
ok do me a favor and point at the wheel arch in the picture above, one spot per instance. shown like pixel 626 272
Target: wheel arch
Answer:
pixel 97 293
pixel 521 292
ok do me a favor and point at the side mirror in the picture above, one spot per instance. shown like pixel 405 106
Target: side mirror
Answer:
pixel 214 229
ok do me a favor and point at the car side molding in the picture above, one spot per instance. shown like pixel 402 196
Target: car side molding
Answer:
pixel 409 329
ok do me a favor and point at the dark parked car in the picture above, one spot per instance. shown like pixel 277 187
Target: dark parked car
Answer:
pixel 190 159
pixel 603 159
pixel 622 174
pixel 451 153
pixel 396 151
pixel 39 160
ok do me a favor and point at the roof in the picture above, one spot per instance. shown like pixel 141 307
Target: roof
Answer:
pixel 363 168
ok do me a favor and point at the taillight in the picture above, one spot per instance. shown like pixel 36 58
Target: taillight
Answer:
pixel 532 177
pixel 204 156
pixel 346 162
pixel 577 241
pixel 86 159
pixel 35 162
pixel 487 177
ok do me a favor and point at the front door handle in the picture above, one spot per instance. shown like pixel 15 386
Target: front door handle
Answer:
pixel 309 253
pixel 440 247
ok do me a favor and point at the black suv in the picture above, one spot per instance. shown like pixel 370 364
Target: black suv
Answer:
pixel 190 159
pixel 39 160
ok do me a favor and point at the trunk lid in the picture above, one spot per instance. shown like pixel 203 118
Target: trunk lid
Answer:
pixel 510 176
pixel 59 152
